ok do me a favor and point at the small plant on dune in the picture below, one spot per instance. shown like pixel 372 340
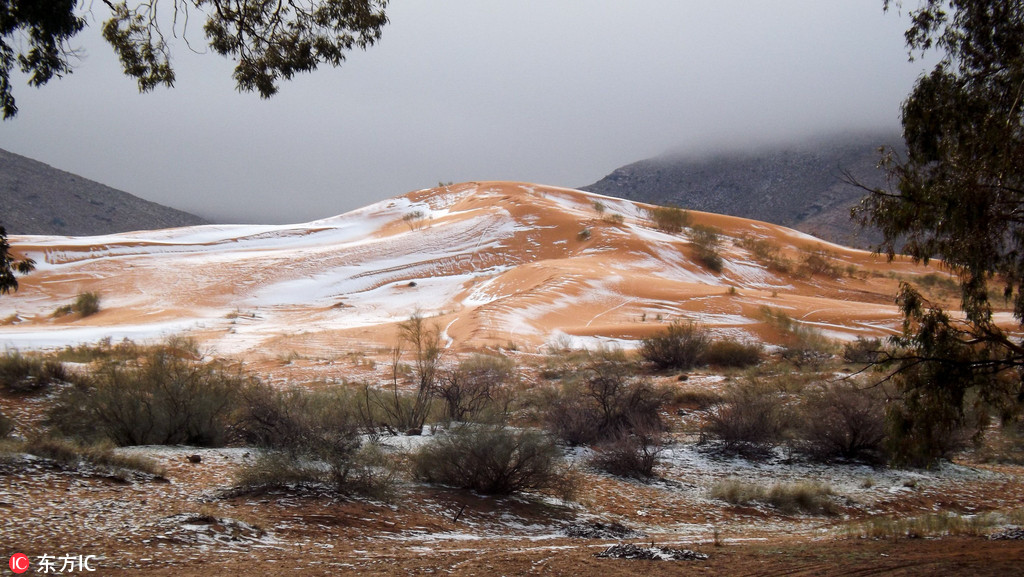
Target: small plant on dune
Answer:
pixel 583 234
pixel 670 219
pixel 767 253
pixel 414 220
pixel 86 304
pixel 707 241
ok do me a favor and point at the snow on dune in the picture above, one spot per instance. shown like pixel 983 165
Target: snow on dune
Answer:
pixel 504 260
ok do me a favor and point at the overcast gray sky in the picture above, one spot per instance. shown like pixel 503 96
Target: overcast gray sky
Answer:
pixel 557 92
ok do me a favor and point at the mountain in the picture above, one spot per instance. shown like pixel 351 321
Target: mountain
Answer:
pixel 39 199
pixel 493 264
pixel 801 186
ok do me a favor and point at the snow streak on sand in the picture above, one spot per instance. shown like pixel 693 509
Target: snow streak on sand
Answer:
pixel 499 262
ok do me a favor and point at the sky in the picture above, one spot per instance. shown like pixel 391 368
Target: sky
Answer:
pixel 558 92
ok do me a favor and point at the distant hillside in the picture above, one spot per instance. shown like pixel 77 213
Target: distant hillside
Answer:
pixel 799 186
pixel 36 198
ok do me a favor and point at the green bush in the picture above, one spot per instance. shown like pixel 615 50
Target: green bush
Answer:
pixel 170 397
pixel 492 460
pixel 681 346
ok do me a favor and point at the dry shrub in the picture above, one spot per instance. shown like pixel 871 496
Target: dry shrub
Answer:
pixel 842 421
pixel 863 351
pixel 493 460
pixel 311 439
pixel 733 353
pixel 633 455
pixel 478 389
pixel 749 422
pixel 30 374
pixel 606 404
pixel 681 346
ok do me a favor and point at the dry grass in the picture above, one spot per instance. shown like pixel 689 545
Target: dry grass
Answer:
pixel 945 524
pixel 803 497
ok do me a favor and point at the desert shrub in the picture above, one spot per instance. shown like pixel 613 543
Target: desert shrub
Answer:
pixel 820 263
pixel 29 374
pixel 669 219
pixel 749 422
pixel 310 438
pixel 87 303
pixel 583 234
pixel 605 402
pixel 365 471
pixel 681 346
pixel 169 397
pixel 863 351
pixel 805 346
pixel 493 460
pixel 843 421
pixel 767 253
pixel 707 241
pixel 615 218
pixel 732 353
pixel 478 389
pixel 629 455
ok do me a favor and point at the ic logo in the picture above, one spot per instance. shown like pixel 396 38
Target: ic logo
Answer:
pixel 19 562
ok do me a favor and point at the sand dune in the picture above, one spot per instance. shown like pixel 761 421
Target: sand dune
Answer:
pixel 495 263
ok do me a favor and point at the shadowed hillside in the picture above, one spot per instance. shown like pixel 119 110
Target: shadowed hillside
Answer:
pixel 801 186
pixel 39 199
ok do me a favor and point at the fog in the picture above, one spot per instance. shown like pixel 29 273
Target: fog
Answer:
pixel 557 92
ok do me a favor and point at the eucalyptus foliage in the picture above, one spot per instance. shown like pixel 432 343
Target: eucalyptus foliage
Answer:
pixel 270 40
pixel 958 196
